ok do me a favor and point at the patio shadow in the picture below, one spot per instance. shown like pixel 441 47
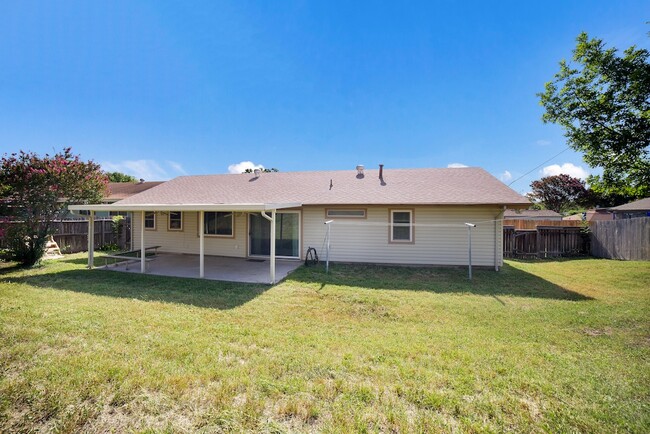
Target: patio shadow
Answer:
pixel 509 281
pixel 201 293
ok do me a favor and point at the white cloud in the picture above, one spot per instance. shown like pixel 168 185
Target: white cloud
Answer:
pixel 456 165
pixel 148 170
pixel 177 167
pixel 543 142
pixel 242 166
pixel 567 168
pixel 505 176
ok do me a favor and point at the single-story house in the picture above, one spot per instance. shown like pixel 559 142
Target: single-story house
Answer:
pixel 531 214
pixel 638 208
pixel 383 216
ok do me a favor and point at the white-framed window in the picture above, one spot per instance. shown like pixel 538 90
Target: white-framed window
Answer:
pixel 150 220
pixel 219 224
pixel 401 225
pixel 333 213
pixel 175 221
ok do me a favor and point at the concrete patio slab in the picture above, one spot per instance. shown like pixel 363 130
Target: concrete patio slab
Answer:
pixel 216 267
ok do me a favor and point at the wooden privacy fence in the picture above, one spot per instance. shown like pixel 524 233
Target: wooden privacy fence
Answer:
pixel 543 242
pixel 627 239
pixel 72 235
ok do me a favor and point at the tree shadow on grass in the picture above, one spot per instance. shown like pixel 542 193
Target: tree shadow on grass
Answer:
pixel 201 293
pixel 77 261
pixel 509 281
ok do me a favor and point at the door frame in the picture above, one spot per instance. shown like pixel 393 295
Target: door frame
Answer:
pixel 248 234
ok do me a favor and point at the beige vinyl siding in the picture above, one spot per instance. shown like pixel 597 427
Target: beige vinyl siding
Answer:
pixel 187 240
pixel 368 240
pixel 362 240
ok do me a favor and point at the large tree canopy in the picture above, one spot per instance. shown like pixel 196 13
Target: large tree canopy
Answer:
pixel 602 101
pixel 37 190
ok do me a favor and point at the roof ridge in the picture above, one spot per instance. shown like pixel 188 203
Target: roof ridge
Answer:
pixel 337 171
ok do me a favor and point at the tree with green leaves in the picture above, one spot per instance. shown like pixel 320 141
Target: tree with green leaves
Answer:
pixel 602 100
pixel 35 191
pixel 120 177
pixel 559 192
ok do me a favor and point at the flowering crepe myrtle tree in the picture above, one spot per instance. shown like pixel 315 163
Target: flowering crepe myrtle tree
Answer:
pixel 35 191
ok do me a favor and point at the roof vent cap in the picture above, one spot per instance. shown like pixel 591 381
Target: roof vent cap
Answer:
pixel 360 169
pixel 257 172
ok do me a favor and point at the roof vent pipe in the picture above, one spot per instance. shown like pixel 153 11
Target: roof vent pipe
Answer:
pixel 257 173
pixel 381 171
pixel 360 170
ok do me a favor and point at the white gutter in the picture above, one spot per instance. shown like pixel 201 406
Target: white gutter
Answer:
pixel 238 207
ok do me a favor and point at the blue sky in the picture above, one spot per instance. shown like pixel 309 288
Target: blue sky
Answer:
pixel 159 89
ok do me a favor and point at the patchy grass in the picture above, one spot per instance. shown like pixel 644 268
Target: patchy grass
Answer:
pixel 548 346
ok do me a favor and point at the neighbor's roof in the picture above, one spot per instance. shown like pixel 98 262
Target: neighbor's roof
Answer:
pixel 122 190
pixel 637 205
pixel 458 186
pixel 592 215
pixel 529 213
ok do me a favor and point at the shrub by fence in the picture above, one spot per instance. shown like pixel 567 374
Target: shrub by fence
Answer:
pixel 621 239
pixel 72 235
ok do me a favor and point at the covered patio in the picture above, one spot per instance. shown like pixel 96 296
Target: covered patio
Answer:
pixel 195 265
pixel 216 267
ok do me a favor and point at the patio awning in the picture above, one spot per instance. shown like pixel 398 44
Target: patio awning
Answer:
pixel 239 207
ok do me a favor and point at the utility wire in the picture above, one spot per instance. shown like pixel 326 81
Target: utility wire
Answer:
pixel 537 167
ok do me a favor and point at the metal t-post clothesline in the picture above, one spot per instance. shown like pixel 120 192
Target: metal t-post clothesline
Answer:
pixel 327 239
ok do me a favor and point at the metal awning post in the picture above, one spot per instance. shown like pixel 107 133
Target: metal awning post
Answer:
pixel 272 253
pixel 201 244
pixel 143 252
pixel 469 234
pixel 91 239
pixel 327 244
pixel 273 214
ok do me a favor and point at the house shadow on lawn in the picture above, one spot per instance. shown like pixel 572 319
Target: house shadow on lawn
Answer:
pixel 201 293
pixel 509 281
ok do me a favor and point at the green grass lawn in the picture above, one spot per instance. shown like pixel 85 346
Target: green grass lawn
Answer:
pixel 544 346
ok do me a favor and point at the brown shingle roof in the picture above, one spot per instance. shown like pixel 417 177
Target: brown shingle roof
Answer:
pixel 472 186
pixel 592 216
pixel 122 190
pixel 637 205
